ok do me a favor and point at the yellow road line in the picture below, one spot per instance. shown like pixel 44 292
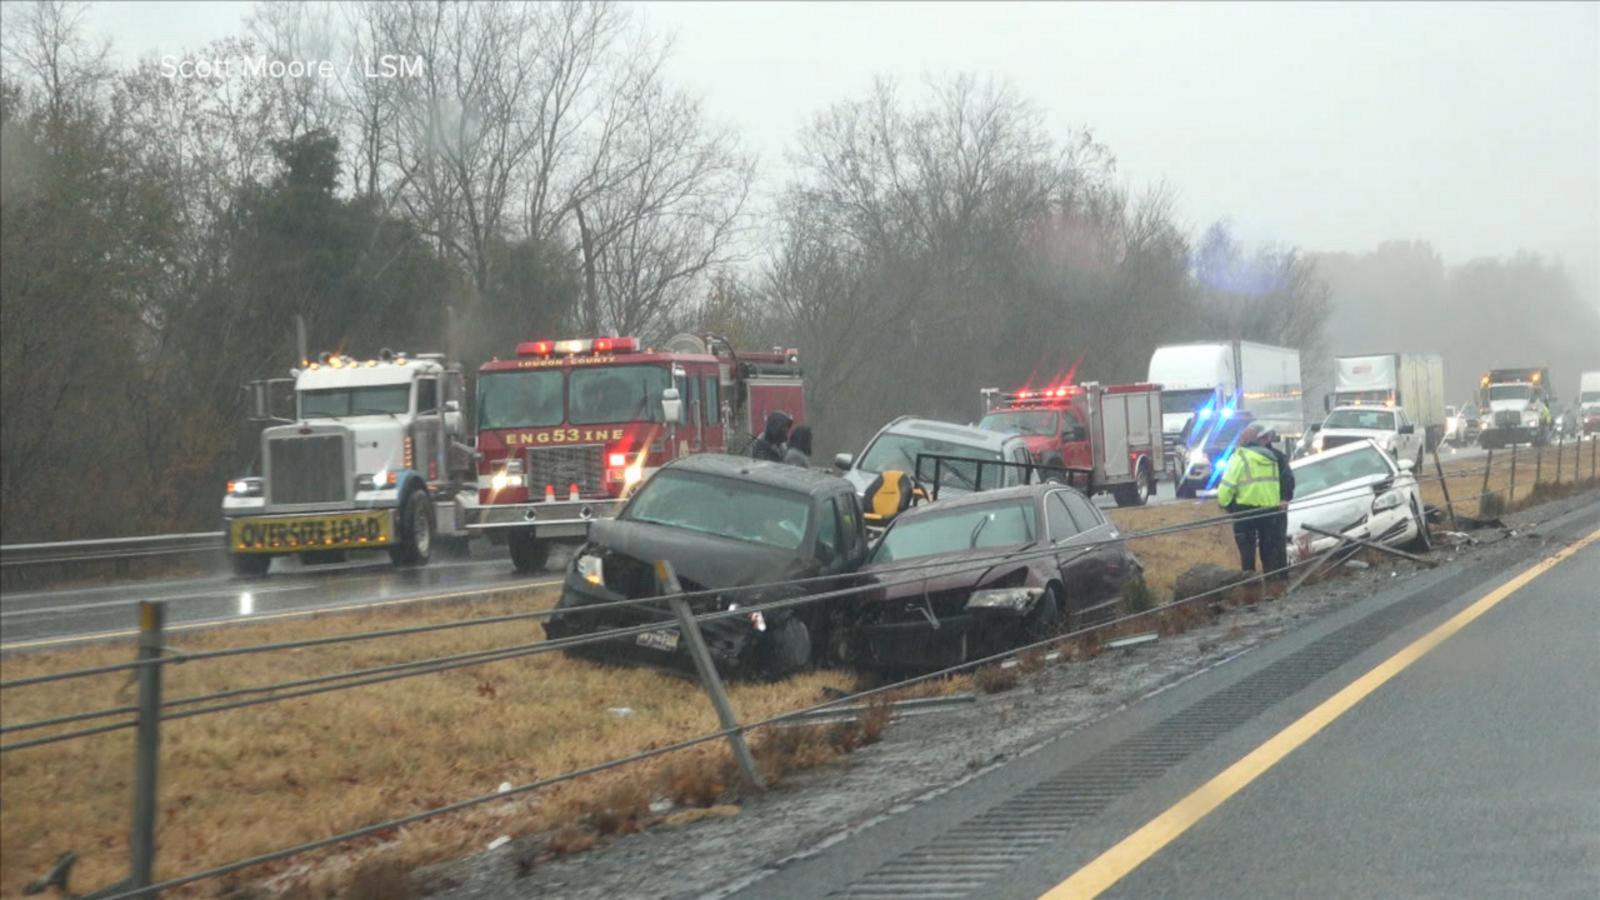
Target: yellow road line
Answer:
pixel 266 617
pixel 1109 867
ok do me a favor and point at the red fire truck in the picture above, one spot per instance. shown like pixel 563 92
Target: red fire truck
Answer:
pixel 1107 435
pixel 568 428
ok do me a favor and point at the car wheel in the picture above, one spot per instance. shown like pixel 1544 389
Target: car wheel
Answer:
pixel 1423 542
pixel 787 648
pixel 250 565
pixel 416 531
pixel 1045 620
pixel 528 553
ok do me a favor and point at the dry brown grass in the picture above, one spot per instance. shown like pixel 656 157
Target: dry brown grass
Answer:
pixel 249 781
pixel 244 782
pixel 1167 556
pixel 1466 482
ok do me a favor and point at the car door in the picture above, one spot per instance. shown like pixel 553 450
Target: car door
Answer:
pixel 1094 530
pixel 1072 561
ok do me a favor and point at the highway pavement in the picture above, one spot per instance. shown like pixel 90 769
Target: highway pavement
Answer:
pixel 1438 739
pixel 56 616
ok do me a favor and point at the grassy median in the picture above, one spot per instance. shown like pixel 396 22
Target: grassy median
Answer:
pixel 244 782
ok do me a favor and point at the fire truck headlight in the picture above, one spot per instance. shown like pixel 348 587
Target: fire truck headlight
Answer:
pixel 505 479
pixel 591 569
pixel 245 487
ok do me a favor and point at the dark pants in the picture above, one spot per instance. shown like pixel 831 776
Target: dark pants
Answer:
pixel 1268 532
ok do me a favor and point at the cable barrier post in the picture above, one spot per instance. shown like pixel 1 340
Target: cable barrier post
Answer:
pixel 1561 444
pixel 1538 464
pixel 1444 485
pixel 667 580
pixel 147 755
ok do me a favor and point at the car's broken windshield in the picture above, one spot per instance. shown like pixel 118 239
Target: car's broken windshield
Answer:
pixel 1318 473
pixel 1007 524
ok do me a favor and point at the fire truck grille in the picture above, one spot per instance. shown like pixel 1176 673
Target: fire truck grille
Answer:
pixel 583 465
pixel 306 469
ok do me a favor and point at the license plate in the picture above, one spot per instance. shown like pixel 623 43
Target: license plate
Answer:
pixel 342 531
pixel 659 640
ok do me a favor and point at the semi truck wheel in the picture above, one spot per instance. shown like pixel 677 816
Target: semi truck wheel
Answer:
pixel 1138 493
pixel 416 531
pixel 528 553
pixel 250 565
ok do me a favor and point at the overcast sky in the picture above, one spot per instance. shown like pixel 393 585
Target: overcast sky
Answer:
pixel 1475 126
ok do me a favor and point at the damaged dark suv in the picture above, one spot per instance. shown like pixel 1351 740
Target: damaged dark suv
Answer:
pixel 728 525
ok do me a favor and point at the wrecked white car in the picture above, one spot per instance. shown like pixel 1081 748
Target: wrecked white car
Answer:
pixel 1357 490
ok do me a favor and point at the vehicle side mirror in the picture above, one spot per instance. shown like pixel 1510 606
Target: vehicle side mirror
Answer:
pixel 1075 433
pixel 452 416
pixel 671 406
pixel 1408 429
pixel 260 409
pixel 1407 465
pixel 842 462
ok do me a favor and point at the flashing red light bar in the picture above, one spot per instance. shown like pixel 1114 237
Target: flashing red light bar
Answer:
pixel 578 345
pixel 1045 394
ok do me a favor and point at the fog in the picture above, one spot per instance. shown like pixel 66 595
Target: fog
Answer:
pixel 1329 126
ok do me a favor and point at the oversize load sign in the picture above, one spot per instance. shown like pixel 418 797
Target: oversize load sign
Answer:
pixel 337 532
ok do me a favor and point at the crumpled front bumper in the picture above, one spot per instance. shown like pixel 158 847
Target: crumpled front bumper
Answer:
pixel 728 639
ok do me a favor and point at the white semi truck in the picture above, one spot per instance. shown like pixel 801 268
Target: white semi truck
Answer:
pixel 1411 382
pixel 372 458
pixel 1216 380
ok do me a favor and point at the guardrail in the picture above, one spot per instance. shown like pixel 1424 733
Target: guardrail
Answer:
pixel 151 707
pixel 18 555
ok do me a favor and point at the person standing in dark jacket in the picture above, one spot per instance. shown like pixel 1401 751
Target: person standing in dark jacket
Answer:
pixel 770 445
pixel 799 452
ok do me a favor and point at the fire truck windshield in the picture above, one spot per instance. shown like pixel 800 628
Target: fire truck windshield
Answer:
pixel 601 394
pixel 375 400
pixel 1020 421
pixel 519 399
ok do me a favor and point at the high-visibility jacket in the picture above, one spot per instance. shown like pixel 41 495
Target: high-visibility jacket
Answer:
pixel 1250 480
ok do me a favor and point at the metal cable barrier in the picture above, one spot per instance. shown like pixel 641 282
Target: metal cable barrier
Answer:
pixel 152 708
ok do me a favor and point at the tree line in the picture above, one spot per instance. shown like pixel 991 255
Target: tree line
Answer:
pixel 538 175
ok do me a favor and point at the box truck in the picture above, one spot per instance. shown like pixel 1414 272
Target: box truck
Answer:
pixel 1413 382
pixel 1215 380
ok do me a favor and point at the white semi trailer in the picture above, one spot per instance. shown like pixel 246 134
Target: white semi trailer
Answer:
pixel 1412 382
pixel 1214 380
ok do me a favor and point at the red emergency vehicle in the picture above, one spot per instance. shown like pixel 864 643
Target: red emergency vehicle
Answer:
pixel 1107 435
pixel 568 428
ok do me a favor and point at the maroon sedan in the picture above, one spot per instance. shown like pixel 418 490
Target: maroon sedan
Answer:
pixel 967 577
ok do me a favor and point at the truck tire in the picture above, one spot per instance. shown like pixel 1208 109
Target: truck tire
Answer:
pixel 1056 477
pixel 528 553
pixel 250 565
pixel 416 531
pixel 1138 493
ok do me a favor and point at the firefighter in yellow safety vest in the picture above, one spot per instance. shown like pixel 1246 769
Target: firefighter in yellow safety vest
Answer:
pixel 1256 488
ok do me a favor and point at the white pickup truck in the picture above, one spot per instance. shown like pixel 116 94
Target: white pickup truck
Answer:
pixel 1388 427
